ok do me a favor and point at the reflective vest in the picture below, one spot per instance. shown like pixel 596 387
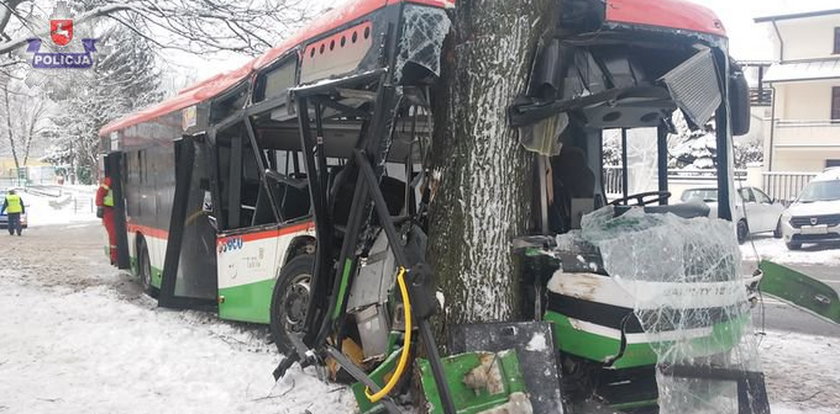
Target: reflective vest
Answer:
pixel 108 200
pixel 13 204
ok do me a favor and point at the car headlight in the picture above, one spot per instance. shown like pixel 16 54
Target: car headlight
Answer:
pixel 786 216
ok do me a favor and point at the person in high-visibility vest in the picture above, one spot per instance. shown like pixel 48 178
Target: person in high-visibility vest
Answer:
pixel 105 211
pixel 13 206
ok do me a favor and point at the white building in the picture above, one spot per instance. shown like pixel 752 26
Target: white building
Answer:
pixel 804 130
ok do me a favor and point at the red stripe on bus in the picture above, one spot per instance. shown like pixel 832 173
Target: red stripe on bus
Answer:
pixel 148 231
pixel 267 234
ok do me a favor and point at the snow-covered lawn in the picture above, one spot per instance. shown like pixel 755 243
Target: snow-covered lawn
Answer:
pixel 775 250
pixel 75 205
pixel 77 336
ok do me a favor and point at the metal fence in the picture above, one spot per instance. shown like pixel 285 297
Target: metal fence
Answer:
pixel 678 179
pixel 785 186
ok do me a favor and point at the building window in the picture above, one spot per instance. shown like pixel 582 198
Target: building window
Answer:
pixel 835 103
pixel 837 40
pixel 832 163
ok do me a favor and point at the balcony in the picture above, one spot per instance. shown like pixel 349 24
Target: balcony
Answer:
pixel 798 133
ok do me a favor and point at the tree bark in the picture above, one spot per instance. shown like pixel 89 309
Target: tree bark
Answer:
pixel 481 175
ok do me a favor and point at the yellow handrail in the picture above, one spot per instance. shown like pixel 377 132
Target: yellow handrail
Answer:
pixel 398 371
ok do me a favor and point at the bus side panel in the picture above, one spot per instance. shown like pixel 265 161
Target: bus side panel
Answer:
pixel 248 265
pixel 150 187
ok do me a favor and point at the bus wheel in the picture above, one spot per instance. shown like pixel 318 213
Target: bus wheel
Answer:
pixel 144 266
pixel 290 301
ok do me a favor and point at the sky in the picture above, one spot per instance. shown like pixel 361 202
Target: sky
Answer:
pixel 748 40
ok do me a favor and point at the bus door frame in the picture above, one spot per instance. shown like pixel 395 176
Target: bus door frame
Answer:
pixel 184 158
pixel 116 170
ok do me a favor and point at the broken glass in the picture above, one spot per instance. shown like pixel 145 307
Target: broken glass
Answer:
pixel 424 29
pixel 692 303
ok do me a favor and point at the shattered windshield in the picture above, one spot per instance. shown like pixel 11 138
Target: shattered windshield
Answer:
pixel 821 191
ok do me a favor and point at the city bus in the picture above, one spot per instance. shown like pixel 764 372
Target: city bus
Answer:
pixel 293 192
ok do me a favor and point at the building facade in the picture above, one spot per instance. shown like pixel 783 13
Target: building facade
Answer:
pixel 804 130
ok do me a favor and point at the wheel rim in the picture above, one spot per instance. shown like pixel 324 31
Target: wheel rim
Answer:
pixel 296 303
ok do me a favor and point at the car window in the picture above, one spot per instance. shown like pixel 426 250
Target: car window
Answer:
pixel 761 197
pixel 746 194
pixel 821 191
pixel 704 194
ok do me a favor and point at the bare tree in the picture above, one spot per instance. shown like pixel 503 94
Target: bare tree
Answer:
pixel 483 198
pixel 195 26
pixel 25 120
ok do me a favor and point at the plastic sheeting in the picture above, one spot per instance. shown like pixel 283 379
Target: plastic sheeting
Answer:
pixel 424 29
pixel 684 276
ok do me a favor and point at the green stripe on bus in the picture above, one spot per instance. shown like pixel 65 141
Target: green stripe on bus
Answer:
pixel 247 303
pixel 342 288
pixel 595 347
pixel 723 337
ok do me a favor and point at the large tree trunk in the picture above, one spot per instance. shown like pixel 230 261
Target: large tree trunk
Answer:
pixel 481 175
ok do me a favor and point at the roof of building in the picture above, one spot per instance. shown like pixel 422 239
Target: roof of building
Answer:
pixel 792 16
pixel 804 71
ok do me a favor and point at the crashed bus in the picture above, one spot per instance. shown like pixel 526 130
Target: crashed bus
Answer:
pixel 292 192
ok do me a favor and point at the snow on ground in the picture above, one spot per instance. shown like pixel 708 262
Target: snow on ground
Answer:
pixel 775 250
pixel 802 372
pixel 74 205
pixel 77 336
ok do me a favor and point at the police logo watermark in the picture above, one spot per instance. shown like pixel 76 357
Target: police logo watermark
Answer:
pixel 62 50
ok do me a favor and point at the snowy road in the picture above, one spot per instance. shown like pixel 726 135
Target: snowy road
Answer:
pixel 78 337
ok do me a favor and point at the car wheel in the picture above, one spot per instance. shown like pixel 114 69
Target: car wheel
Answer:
pixel 778 232
pixel 144 266
pixel 290 301
pixel 793 245
pixel 743 231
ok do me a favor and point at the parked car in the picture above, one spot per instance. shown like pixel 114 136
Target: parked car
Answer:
pixel 4 218
pixel 814 217
pixel 762 212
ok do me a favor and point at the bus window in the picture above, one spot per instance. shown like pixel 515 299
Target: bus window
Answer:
pixel 277 81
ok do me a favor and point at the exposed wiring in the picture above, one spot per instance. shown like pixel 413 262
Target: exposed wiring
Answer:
pixel 398 371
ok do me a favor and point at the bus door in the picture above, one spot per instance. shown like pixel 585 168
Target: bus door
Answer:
pixel 261 211
pixel 115 168
pixel 189 273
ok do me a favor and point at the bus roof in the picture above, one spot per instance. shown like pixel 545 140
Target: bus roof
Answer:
pixel 215 85
pixel 675 14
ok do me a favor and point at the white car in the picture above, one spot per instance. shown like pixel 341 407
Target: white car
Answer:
pixel 815 215
pixel 762 212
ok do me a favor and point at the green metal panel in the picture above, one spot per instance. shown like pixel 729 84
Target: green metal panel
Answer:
pixel 802 291
pixel 379 375
pixel 468 400
pixel 247 303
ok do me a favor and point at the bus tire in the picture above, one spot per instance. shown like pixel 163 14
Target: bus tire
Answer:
pixel 290 301
pixel 144 266
pixel 743 231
